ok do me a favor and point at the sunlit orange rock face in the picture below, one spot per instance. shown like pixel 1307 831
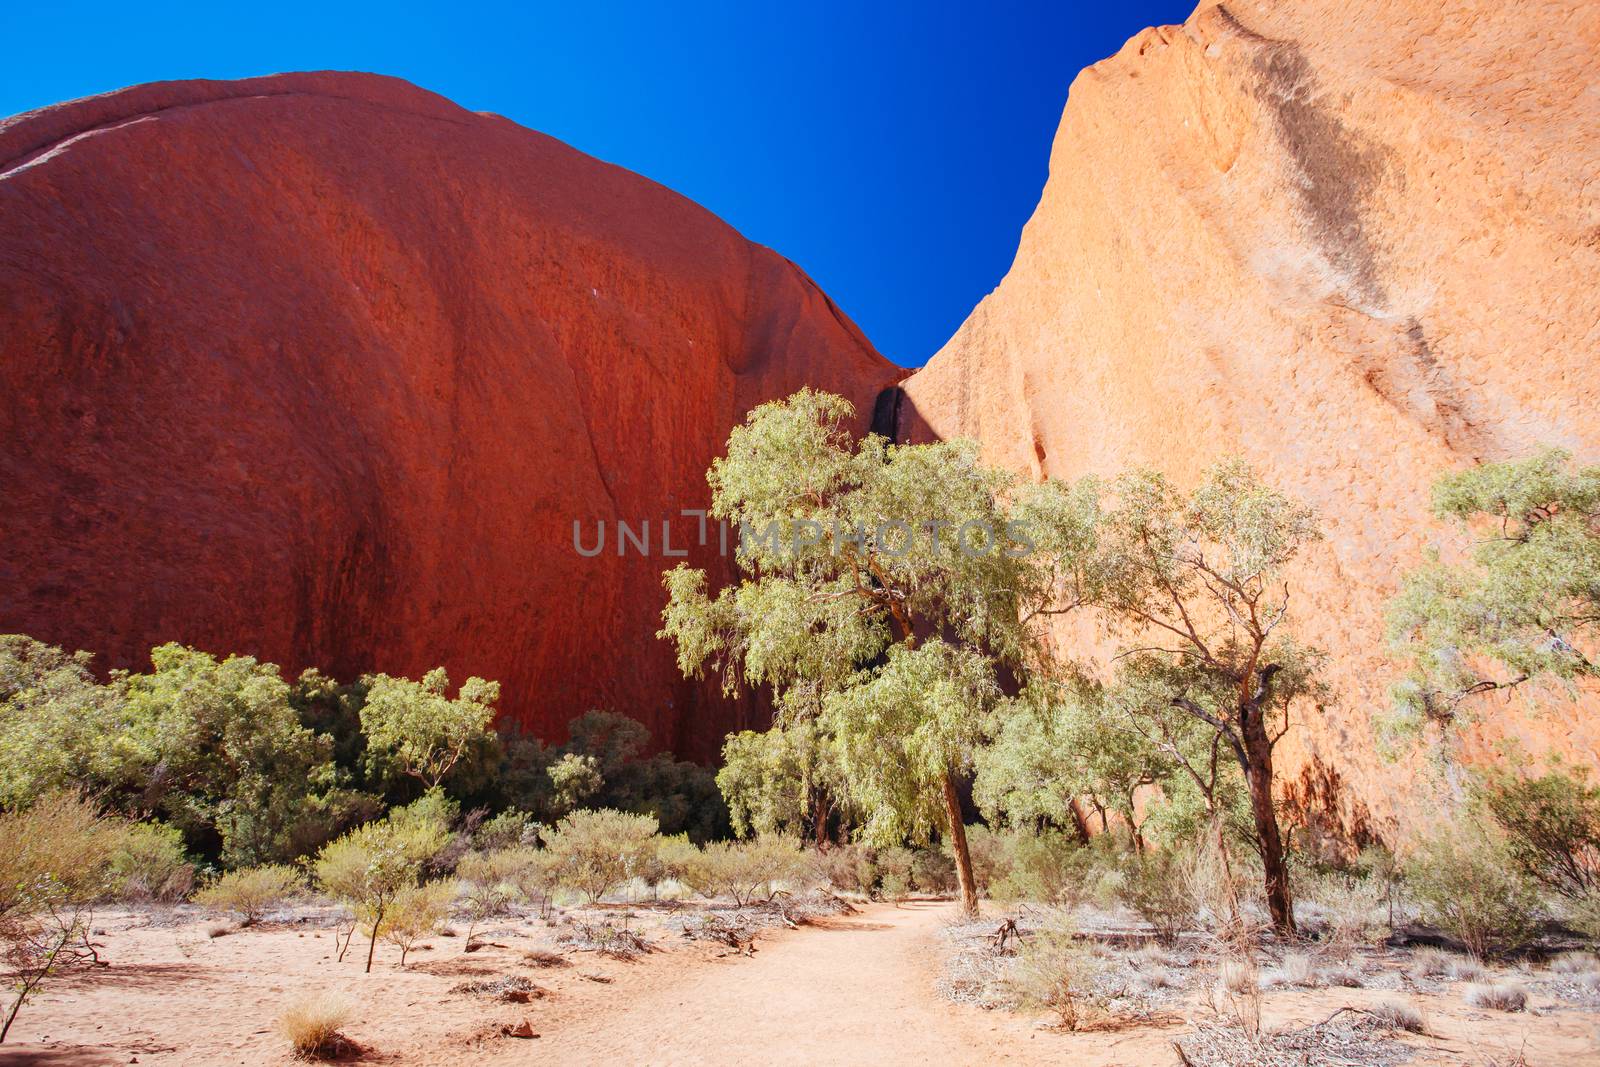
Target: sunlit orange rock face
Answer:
pixel 1357 242
pixel 322 368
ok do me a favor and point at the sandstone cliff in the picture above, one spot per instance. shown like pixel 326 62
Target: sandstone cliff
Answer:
pixel 322 367
pixel 1356 242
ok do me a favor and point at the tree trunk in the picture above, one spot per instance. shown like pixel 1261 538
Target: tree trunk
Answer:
pixel 372 942
pixel 1258 754
pixel 958 846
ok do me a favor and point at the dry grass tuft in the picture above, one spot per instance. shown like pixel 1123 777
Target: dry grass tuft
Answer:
pixel 1237 976
pixel 1575 963
pixel 1395 1015
pixel 312 1023
pixel 1296 969
pixel 1345 975
pixel 1504 996
pixel 1429 963
pixel 1466 970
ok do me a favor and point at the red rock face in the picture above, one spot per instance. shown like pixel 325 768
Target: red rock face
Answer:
pixel 1353 241
pixel 322 368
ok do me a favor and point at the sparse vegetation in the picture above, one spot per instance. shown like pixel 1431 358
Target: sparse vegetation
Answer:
pixel 1056 971
pixel 593 852
pixel 1498 996
pixel 252 892
pixel 312 1024
pixel 1144 783
pixel 417 912
pixel 1397 1015
pixel 1466 883
pixel 54 866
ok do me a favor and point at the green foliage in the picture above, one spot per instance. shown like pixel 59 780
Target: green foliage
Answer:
pixel 743 870
pixel 781 780
pixel 1023 779
pixel 1056 972
pixel 57 853
pixel 368 867
pixel 932 871
pixel 212 747
pixel 417 912
pixel 1049 867
pixel 415 728
pixel 894 871
pixel 1513 612
pixel 843 573
pixel 1467 883
pixel 602 765
pixel 252 892
pixel 1156 885
pixel 902 727
pixel 595 851
pixel 1190 587
pixel 574 779
pixel 1550 825
pixel 149 864
pixel 55 863
pixel 990 852
pixel 54 717
pixel 508 829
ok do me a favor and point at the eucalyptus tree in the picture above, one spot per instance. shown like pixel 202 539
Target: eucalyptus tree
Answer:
pixel 883 588
pixel 416 728
pixel 1192 587
pixel 1521 608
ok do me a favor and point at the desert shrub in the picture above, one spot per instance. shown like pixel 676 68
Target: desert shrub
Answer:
pixel 1352 907
pixel 415 729
pixel 1056 971
pixel 213 747
pixel 1237 976
pixel 489 881
pixel 311 1024
pixel 54 864
pixel 894 872
pixel 933 871
pixel 418 911
pixel 149 864
pixel 371 865
pixel 531 873
pixel 424 828
pixel 603 766
pixel 595 851
pixel 746 870
pixel 848 868
pixel 1466 884
pixel 1157 884
pixel 1239 988
pixel 1583 914
pixel 252 892
pixel 1505 996
pixel 1550 826
pixel 508 829
pixel 1378 865
pixel 1429 963
pixel 1056 868
pixel 990 851
pixel 674 858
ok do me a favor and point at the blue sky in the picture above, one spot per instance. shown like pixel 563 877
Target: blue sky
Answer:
pixel 894 149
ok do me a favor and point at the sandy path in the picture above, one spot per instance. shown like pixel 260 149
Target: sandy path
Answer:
pixel 857 989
